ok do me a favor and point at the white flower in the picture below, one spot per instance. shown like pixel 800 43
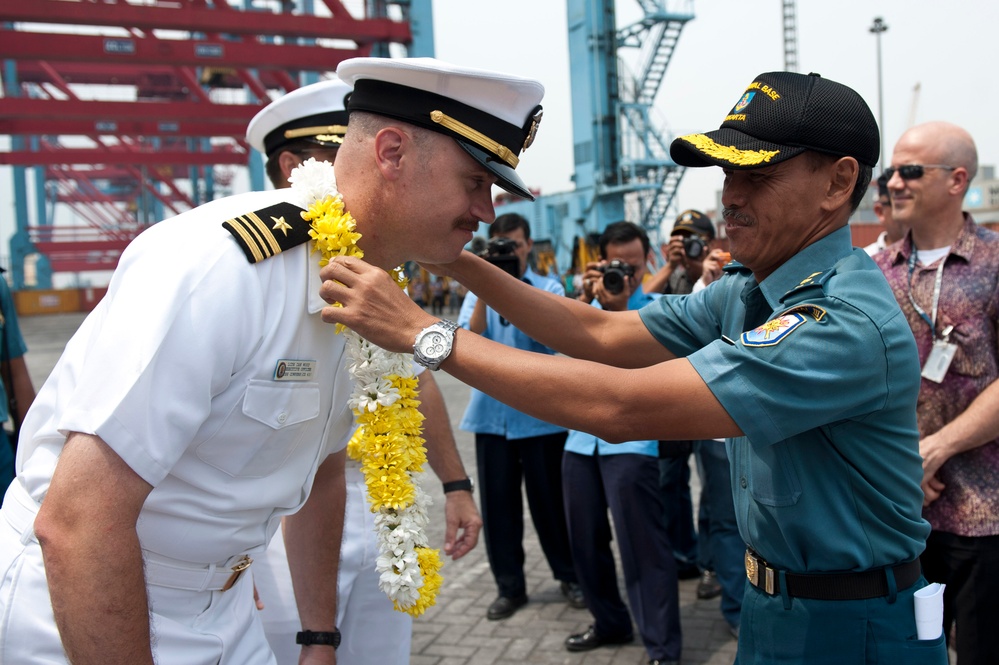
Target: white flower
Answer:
pixel 312 181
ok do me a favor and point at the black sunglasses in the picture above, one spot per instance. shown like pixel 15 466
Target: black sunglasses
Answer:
pixel 913 171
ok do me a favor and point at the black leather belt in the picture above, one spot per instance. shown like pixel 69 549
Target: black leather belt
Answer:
pixel 830 586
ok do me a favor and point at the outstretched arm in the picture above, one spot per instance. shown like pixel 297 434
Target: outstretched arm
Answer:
pixel 665 400
pixel 569 326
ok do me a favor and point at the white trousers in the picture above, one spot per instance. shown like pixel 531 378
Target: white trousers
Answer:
pixel 372 632
pixel 190 627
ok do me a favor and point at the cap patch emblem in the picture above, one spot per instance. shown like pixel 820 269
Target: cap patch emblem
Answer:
pixel 773 331
pixel 744 102
pixel 533 131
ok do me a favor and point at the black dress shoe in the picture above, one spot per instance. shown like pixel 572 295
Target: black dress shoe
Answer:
pixel 590 640
pixel 659 661
pixel 574 594
pixel 504 607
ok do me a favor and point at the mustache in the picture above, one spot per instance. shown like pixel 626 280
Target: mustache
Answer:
pixel 736 216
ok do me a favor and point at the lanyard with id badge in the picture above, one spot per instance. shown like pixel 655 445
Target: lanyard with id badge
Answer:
pixel 942 352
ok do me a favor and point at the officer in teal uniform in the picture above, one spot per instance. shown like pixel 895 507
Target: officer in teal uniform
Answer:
pixel 798 353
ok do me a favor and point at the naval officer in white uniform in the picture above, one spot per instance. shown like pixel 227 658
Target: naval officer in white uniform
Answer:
pixel 204 399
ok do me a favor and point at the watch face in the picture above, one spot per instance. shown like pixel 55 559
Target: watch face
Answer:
pixel 433 344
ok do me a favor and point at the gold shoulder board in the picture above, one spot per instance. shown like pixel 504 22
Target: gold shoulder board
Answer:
pixel 269 231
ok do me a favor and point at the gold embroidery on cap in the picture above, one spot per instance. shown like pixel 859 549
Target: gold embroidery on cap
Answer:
pixel 729 153
pixel 476 137
pixel 315 131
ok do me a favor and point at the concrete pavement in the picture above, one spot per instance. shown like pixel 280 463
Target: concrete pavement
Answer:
pixel 456 631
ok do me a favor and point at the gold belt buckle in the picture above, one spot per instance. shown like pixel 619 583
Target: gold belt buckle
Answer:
pixel 237 570
pixel 753 573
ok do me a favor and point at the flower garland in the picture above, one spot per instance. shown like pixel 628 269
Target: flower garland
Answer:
pixel 388 441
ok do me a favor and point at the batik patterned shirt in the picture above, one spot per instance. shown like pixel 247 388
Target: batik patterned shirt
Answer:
pixel 969 301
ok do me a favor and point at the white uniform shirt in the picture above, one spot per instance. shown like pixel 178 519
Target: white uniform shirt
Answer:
pixel 176 370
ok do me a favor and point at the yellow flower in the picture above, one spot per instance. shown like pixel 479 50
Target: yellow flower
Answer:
pixel 387 441
pixel 430 565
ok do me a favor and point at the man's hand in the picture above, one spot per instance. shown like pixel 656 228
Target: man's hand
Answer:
pixel 372 304
pixel 934 451
pixel 460 514
pixel 591 277
pixel 711 267
pixel 673 253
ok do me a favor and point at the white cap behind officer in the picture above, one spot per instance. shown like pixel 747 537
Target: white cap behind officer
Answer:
pixel 492 116
pixel 315 113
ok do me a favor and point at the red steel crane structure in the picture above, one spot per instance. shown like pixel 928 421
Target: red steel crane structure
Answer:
pixel 131 110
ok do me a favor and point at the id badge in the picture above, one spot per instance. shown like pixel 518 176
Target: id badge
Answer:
pixel 939 360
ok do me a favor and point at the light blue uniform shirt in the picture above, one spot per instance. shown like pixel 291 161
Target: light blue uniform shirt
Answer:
pixel 587 444
pixel 484 414
pixel 827 476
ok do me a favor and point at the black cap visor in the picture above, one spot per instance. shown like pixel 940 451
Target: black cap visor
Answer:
pixel 508 178
pixel 729 148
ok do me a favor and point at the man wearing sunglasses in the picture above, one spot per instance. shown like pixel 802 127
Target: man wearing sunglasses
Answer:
pixel 893 230
pixel 945 275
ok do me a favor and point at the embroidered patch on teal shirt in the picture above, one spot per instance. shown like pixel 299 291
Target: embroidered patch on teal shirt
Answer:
pixel 773 331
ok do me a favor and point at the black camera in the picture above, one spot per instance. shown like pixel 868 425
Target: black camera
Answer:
pixel 616 274
pixel 694 247
pixel 501 252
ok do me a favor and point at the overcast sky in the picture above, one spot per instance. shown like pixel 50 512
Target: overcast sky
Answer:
pixel 946 48
pixel 949 52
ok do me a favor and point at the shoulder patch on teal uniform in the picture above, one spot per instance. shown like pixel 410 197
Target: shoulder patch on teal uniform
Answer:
pixel 773 331
pixel 814 311
pixel 269 231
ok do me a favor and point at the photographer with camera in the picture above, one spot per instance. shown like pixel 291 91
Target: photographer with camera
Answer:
pixel 512 447
pixel 622 478
pixel 688 247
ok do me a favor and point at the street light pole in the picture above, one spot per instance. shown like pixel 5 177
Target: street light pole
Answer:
pixel 879 27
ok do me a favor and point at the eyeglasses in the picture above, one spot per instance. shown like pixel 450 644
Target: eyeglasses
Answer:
pixel 913 171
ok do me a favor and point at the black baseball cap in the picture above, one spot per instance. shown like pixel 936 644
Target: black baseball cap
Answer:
pixel 780 116
pixel 695 222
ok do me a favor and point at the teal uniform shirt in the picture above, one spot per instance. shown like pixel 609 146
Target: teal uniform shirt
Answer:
pixel 827 476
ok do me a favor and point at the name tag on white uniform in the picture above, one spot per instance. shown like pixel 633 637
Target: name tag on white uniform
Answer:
pixel 295 370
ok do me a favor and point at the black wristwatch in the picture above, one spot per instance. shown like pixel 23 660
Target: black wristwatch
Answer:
pixel 458 485
pixel 310 637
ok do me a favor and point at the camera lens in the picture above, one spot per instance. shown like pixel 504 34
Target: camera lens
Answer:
pixel 693 247
pixel 613 281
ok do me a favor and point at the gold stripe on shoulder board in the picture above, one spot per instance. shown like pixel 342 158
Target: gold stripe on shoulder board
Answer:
pixel 269 231
pixel 813 311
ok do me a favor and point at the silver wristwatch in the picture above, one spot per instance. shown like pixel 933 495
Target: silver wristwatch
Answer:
pixel 433 344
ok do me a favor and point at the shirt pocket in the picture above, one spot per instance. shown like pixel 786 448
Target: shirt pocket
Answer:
pixel 773 479
pixel 244 449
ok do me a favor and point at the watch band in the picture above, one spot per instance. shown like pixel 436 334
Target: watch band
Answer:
pixel 459 485
pixel 310 637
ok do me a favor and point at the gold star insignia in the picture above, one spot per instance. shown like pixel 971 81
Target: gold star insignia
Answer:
pixel 281 225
